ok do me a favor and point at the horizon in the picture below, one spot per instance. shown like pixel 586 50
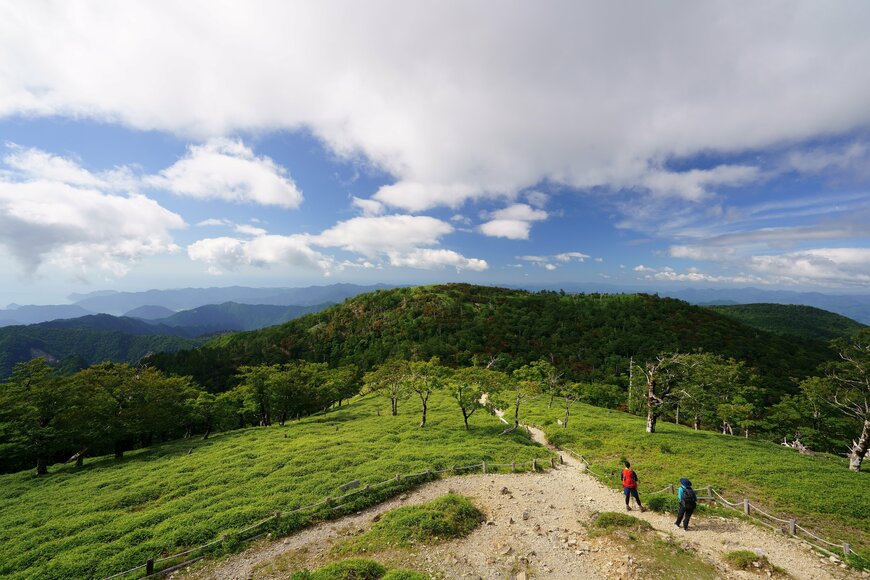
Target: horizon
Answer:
pixel 667 147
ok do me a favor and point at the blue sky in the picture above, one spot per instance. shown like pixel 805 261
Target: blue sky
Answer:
pixel 273 145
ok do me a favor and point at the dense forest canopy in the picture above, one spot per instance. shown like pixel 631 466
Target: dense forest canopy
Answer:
pixel 792 319
pixel 589 336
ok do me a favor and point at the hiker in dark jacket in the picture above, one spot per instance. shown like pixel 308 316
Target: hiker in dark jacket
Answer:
pixel 629 487
pixel 688 500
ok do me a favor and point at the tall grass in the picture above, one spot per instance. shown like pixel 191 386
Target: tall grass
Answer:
pixel 112 515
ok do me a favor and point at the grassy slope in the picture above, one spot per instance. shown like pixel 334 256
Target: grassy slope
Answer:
pixel 112 515
pixel 803 321
pixel 819 491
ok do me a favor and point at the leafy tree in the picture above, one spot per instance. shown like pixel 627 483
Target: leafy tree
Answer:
pixel 661 376
pixel 602 395
pixel 426 377
pixel 850 389
pixel 570 393
pixel 209 411
pixel 468 386
pixel 528 380
pixel 258 392
pixel 33 402
pixel 390 379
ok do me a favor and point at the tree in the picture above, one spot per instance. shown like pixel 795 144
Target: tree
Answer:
pixel 33 403
pixel 850 389
pixel 210 411
pixel 391 379
pixel 426 377
pixel 528 380
pixel 468 386
pixel 661 377
pixel 571 393
pixel 255 385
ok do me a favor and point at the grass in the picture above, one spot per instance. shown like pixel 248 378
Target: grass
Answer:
pixel 448 517
pixel 820 492
pixel 659 558
pixel 747 560
pixel 358 569
pixel 112 515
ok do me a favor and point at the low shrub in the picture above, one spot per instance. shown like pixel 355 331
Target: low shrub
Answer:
pixel 353 569
pixel 450 516
pixel 402 574
pixel 612 520
pixel 659 502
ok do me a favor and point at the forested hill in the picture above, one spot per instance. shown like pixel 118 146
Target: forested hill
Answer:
pixel 804 321
pixel 592 336
pixel 74 348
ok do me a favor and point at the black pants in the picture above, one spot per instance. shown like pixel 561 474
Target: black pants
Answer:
pixel 685 512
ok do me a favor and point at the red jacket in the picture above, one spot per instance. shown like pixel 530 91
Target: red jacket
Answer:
pixel 629 478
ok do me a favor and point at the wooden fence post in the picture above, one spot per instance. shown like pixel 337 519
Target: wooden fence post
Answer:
pixel 561 459
pixel 847 549
pixel 709 491
pixel 534 464
pixel 670 488
pixel 553 462
pixel 149 566
pixel 792 527
pixel 484 467
pixel 513 465
pixel 746 505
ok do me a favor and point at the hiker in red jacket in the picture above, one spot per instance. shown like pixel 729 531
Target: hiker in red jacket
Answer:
pixel 629 487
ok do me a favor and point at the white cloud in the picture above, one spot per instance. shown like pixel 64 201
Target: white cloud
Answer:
pixel 233 254
pixel 818 159
pixel 513 222
pixel 537 199
pixel 249 230
pixel 80 229
pixel 371 236
pixel 213 222
pixel 695 184
pixel 568 256
pixel 546 262
pixel 822 266
pixel 427 258
pixel 643 269
pixel 579 95
pixel 228 170
pixel 368 207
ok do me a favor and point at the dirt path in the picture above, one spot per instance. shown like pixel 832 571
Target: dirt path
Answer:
pixel 536 523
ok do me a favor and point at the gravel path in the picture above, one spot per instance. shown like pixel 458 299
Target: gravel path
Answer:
pixel 535 523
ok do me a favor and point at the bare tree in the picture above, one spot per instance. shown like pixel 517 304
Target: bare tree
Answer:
pixel 850 381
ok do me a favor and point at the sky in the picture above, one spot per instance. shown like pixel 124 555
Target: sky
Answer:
pixel 156 144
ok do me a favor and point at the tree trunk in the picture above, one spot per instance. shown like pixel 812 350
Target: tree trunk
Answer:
pixel 465 418
pixel 859 448
pixel 677 418
pixel 42 466
pixel 206 434
pixel 80 460
pixel 517 414
pixel 651 419
pixel 565 420
pixel 119 450
pixel 726 428
pixel 424 401
pixel 697 424
pixel 394 406
pixel 550 403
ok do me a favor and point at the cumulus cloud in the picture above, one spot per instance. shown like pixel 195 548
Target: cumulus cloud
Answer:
pixel 427 258
pixel 213 222
pixel 368 207
pixel 262 251
pixel 668 274
pixel 371 236
pixel 513 222
pixel 228 170
pixel 81 229
pixel 821 266
pixel 546 262
pixel 579 95
pixel 249 230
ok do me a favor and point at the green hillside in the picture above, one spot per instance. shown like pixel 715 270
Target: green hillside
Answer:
pixel 79 347
pixel 803 321
pixel 591 336
pixel 111 515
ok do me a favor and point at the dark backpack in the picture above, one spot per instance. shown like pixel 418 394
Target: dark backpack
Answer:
pixel 690 498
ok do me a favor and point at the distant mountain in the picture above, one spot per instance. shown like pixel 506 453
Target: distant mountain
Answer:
pixel 149 312
pixel 187 298
pixel 107 322
pixel 854 306
pixel 796 320
pixel 74 348
pixel 35 314
pixel 234 316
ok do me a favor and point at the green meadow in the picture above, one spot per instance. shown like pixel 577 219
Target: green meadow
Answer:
pixel 819 491
pixel 112 515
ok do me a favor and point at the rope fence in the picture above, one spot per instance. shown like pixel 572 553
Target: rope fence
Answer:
pixel 150 565
pixel 843 549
